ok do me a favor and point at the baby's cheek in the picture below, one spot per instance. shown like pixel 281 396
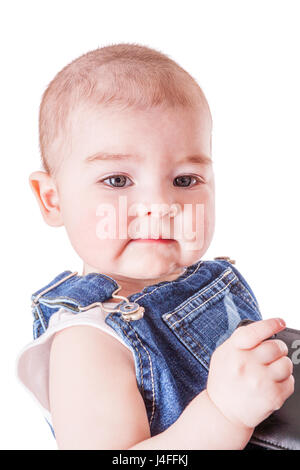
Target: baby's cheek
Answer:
pixel 99 229
pixel 198 225
pixel 195 219
pixel 82 232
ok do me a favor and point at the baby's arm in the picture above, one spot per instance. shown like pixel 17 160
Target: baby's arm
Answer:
pixel 94 399
pixel 200 426
pixel 95 402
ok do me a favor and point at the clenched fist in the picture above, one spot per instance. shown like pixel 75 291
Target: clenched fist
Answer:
pixel 250 376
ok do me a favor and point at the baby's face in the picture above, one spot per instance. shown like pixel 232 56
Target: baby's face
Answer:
pixel 98 193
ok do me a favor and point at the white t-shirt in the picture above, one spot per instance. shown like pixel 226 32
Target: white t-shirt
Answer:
pixel 33 360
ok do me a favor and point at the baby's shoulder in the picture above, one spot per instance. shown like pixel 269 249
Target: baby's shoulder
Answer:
pixel 225 258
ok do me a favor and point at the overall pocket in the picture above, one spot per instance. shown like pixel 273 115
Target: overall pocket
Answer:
pixel 205 320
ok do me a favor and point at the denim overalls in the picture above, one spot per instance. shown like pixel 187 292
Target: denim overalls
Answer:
pixel 179 324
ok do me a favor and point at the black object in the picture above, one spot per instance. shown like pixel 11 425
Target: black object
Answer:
pixel 281 430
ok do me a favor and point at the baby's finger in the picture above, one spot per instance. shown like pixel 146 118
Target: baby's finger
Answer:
pixel 286 388
pixel 270 350
pixel 281 369
pixel 249 336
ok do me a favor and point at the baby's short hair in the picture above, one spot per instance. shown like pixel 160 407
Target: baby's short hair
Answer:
pixel 120 75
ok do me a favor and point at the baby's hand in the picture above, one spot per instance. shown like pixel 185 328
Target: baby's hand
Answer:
pixel 249 378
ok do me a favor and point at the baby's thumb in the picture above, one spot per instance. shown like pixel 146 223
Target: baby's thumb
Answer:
pixel 254 333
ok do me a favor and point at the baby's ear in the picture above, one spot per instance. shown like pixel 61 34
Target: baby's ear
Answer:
pixel 45 191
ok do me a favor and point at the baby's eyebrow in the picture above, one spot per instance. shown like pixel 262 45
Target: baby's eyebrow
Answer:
pixel 105 156
pixel 197 158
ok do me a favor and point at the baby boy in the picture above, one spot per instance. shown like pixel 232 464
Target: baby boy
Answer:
pixel 125 138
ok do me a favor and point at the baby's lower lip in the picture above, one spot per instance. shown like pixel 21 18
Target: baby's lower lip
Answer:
pixel 151 240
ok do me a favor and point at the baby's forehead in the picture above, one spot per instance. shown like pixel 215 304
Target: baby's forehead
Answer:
pixel 88 118
pixel 91 112
pixel 94 138
pixel 115 122
pixel 99 137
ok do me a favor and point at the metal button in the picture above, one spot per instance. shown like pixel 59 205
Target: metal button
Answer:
pixel 131 311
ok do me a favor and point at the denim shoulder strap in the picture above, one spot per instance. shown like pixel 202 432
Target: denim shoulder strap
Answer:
pixel 71 291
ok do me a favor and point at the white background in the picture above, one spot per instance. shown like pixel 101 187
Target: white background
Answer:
pixel 245 56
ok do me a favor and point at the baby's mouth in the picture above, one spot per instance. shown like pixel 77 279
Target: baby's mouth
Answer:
pixel 153 240
pixel 149 236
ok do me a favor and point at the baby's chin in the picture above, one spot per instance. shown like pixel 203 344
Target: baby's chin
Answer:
pixel 142 260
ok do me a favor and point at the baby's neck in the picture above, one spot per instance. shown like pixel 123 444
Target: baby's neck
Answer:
pixel 130 286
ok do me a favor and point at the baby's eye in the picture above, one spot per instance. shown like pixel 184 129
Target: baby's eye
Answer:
pixel 117 181
pixel 185 180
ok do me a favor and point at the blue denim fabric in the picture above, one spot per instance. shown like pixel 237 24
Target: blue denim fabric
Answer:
pixel 184 321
